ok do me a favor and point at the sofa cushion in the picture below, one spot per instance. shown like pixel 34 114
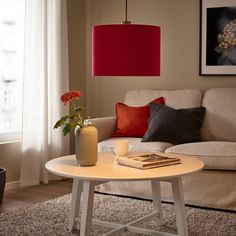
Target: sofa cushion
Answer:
pixel 178 99
pixel 215 154
pixel 220 118
pixel 135 145
pixel 132 121
pixel 174 125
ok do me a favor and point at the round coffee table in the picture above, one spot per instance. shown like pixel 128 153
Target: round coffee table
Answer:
pixel 86 178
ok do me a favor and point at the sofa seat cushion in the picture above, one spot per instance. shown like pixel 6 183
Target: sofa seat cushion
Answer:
pixel 135 145
pixel 216 155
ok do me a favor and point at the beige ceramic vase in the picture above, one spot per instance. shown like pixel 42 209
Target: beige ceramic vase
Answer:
pixel 86 142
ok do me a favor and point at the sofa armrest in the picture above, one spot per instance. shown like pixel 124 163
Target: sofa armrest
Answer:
pixel 105 126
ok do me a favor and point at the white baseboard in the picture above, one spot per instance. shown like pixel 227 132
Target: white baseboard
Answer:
pixel 12 185
pixel 29 183
pixel 16 184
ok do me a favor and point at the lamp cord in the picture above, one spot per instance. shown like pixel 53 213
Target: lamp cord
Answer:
pixel 126 13
pixel 126 9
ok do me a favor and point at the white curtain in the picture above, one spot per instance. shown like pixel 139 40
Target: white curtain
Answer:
pixel 45 79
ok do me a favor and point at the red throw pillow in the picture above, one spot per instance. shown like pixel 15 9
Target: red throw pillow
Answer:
pixel 133 121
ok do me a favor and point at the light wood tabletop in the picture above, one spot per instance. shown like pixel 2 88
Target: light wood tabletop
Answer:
pixel 107 169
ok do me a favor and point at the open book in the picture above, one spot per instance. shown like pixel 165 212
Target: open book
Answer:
pixel 147 160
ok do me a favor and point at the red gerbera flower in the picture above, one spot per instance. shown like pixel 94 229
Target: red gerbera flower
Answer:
pixel 76 113
pixel 70 96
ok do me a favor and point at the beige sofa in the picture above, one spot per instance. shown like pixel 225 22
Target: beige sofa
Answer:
pixel 213 187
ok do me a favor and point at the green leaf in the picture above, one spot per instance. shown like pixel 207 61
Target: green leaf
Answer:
pixel 64 118
pixel 219 50
pixel 73 125
pixel 61 122
pixel 220 38
pixel 57 124
pixel 66 129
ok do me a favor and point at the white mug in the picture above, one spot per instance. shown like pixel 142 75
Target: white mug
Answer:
pixel 121 147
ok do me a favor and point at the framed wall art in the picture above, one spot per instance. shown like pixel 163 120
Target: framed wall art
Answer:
pixel 218 37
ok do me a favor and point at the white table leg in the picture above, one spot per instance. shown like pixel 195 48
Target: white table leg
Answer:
pixel 77 189
pixel 156 198
pixel 179 206
pixel 87 208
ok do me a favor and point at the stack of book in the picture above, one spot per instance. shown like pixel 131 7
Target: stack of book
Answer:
pixel 147 160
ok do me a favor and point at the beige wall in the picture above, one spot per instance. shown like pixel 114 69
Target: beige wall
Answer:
pixel 179 22
pixel 76 40
pixel 10 159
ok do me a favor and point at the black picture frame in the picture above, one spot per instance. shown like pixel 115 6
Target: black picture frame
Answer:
pixel 217 38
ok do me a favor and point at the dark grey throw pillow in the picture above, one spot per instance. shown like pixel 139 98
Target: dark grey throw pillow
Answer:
pixel 174 125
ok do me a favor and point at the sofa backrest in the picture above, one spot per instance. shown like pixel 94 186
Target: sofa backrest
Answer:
pixel 186 98
pixel 220 118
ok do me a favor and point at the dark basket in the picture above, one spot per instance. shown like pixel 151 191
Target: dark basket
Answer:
pixel 2 182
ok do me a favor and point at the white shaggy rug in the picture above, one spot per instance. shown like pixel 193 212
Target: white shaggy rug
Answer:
pixel 51 218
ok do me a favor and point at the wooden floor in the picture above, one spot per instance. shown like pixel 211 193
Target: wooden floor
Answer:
pixel 27 196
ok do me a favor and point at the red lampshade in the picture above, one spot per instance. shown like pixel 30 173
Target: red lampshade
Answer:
pixel 126 50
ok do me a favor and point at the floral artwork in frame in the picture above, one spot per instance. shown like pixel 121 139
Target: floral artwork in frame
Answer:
pixel 218 37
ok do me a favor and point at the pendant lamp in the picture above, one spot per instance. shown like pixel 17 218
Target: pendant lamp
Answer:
pixel 126 49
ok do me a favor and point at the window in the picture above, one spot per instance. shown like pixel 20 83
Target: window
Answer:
pixel 12 13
